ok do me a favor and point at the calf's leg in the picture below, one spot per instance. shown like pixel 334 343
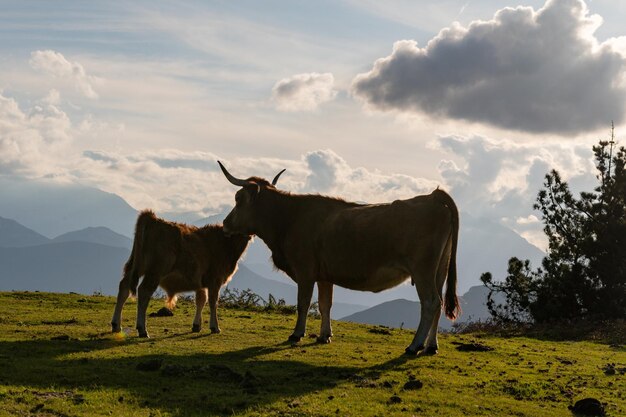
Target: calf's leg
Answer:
pixel 201 297
pixel 305 292
pixel 325 301
pixel 122 295
pixel 144 292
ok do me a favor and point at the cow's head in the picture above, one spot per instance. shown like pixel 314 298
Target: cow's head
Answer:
pixel 242 218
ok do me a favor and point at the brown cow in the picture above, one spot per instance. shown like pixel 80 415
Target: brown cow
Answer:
pixel 367 247
pixel 179 258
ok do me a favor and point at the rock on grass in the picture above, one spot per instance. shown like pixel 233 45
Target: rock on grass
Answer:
pixel 413 384
pixel 588 407
pixel 163 312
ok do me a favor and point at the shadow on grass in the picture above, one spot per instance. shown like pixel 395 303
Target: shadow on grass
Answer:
pixel 181 384
pixel 611 332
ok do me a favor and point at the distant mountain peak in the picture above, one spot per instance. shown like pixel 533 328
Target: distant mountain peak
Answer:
pixel 52 208
pixel 96 234
pixel 15 235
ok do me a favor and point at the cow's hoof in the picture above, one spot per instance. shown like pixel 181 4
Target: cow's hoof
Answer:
pixel 323 340
pixel 196 328
pixel 410 351
pixel 143 334
pixel 294 338
pixel 115 328
pixel 430 350
pixel 215 330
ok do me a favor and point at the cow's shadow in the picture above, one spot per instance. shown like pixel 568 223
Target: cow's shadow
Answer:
pixel 198 383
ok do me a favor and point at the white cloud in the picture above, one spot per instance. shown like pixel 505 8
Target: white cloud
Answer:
pixel 527 70
pixel 303 92
pixel 328 173
pixel 31 142
pixel 55 64
pixel 175 181
pixel 500 179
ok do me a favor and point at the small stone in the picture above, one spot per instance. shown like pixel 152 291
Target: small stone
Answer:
pixel 412 385
pixel 588 407
pixel 389 384
pixel 163 312
pixel 473 347
pixel 395 400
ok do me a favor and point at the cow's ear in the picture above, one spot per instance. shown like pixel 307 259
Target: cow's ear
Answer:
pixel 253 190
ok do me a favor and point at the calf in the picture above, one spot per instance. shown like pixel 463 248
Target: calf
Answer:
pixel 177 257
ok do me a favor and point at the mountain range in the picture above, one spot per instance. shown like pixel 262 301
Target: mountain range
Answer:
pixel 403 313
pixel 90 260
pixel 72 238
pixel 51 208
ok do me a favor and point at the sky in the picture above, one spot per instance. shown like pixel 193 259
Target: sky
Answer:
pixel 367 100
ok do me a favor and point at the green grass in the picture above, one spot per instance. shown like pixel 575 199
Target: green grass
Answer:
pixel 249 370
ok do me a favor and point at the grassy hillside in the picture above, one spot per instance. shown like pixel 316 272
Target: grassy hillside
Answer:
pixel 58 359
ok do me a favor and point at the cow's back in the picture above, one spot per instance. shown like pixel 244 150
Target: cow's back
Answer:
pixel 359 246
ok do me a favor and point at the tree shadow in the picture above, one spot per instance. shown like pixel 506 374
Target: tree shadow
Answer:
pixel 180 383
pixel 610 332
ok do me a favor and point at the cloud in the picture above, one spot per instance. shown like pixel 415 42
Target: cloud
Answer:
pixel 534 71
pixel 303 92
pixel 31 141
pixel 329 173
pixel 500 179
pixel 55 64
pixel 178 186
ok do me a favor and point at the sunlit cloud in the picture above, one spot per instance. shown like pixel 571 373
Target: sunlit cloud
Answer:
pixel 55 64
pixel 32 140
pixel 303 92
pixel 500 179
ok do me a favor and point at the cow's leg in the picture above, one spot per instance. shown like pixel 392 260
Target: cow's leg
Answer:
pixel 432 344
pixel 144 292
pixel 201 297
pixel 214 297
pixel 122 295
pixel 305 292
pixel 325 300
pixel 430 304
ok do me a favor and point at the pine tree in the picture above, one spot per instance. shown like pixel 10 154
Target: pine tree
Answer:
pixel 584 272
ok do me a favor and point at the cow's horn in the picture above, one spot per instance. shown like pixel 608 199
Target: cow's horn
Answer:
pixel 229 177
pixel 276 177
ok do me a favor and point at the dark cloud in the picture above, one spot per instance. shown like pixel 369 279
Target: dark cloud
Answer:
pixel 535 71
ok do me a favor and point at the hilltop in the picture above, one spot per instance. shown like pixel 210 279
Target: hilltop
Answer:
pixel 58 358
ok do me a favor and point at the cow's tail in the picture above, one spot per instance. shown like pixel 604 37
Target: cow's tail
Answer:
pixel 133 267
pixel 451 301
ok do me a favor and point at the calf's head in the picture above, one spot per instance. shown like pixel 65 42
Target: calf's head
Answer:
pixel 243 218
